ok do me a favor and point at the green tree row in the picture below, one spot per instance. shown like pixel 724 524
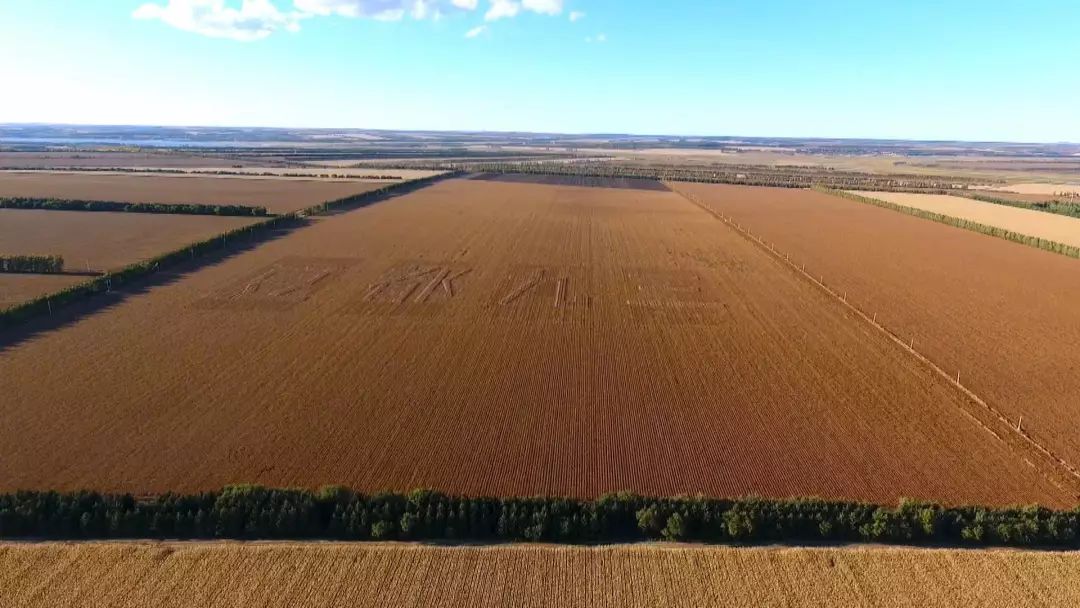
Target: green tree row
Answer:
pixel 39 264
pixel 252 512
pixel 1016 237
pixel 780 176
pixel 54 204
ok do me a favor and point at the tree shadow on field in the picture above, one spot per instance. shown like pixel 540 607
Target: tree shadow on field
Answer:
pixel 12 337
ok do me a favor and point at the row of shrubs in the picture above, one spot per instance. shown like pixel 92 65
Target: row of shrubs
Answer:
pixel 45 305
pixel 1016 237
pixel 253 512
pixel 39 264
pixel 57 204
pixel 1054 206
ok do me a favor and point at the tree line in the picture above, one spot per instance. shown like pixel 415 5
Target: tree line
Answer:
pixel 57 204
pixel 781 176
pixel 37 264
pixel 1001 233
pixel 168 171
pixel 253 512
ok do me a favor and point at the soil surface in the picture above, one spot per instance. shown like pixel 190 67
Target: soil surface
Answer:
pixel 489 338
pixel 1003 315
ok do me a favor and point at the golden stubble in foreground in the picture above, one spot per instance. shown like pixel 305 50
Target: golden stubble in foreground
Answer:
pixel 314 574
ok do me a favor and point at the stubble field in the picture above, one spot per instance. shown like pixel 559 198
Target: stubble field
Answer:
pixel 1003 315
pixel 272 575
pixel 1058 228
pixel 95 159
pixel 277 195
pixel 499 339
pixel 99 241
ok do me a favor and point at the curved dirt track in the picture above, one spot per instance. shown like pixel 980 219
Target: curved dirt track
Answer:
pixel 489 338
pixel 1003 315
pixel 318 574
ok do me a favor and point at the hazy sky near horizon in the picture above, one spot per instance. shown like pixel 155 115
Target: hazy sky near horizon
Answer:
pixel 913 69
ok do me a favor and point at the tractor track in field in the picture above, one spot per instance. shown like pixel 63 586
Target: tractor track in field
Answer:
pixel 1066 477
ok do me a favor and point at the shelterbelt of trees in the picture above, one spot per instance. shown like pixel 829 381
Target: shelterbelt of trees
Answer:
pixel 38 264
pixel 1001 233
pixel 195 252
pixel 788 176
pixel 253 512
pixel 57 204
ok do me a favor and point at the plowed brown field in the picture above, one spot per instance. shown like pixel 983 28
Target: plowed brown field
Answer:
pixel 492 338
pixel 277 195
pixel 320 574
pixel 1002 314
pixel 104 240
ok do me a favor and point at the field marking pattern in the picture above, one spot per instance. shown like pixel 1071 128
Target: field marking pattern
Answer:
pixel 1072 476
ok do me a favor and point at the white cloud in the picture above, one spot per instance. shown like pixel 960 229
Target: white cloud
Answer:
pixel 501 9
pixel 598 39
pixel 576 15
pixel 476 31
pixel 544 7
pixel 254 19
pixel 386 10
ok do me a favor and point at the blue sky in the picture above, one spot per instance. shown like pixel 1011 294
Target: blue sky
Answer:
pixel 922 69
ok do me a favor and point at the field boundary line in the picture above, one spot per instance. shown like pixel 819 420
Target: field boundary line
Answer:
pixel 1020 238
pixel 1015 429
pixel 200 252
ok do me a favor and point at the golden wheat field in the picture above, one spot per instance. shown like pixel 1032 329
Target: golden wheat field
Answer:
pixel 270 575
pixel 1059 228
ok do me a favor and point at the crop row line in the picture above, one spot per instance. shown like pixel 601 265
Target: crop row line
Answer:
pixel 1016 428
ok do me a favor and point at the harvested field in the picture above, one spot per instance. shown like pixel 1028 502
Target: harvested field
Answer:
pixel 278 196
pixel 1016 196
pixel 583 181
pixel 35 160
pixel 487 338
pixel 1041 188
pixel 1059 228
pixel 17 288
pixel 1004 315
pixel 295 574
pixel 102 241
pixel 352 173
